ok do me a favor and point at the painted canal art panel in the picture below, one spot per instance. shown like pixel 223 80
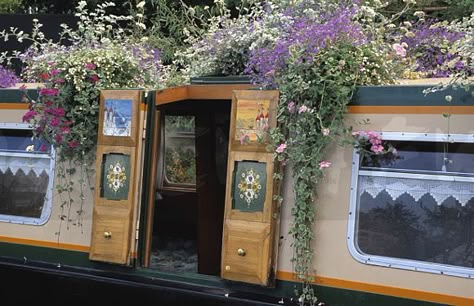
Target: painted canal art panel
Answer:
pixel 252 121
pixel 117 117
pixel 115 176
pixel 249 190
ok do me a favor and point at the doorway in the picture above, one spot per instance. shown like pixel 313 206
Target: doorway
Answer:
pixel 188 215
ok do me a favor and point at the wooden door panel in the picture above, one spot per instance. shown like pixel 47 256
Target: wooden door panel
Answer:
pixel 251 214
pixel 246 256
pixel 111 238
pixel 115 197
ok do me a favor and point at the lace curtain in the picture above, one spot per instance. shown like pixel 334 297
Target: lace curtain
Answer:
pixel 26 164
pixel 417 188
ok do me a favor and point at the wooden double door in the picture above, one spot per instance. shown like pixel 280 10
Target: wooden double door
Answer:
pixel 210 191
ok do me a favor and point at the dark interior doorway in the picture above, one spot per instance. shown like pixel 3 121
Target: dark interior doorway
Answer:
pixel 190 188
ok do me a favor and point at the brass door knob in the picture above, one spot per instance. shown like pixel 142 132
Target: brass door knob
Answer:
pixel 107 235
pixel 241 252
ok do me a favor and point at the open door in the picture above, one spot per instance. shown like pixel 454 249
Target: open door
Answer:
pixel 117 175
pixel 251 221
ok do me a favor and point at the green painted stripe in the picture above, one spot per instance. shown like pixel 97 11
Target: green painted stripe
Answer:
pixel 16 95
pixel 409 95
pixel 330 295
pixel 238 79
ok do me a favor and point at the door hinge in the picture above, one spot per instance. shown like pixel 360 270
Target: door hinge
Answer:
pixel 137 230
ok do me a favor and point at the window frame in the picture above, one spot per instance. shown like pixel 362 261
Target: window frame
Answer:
pixel 163 182
pixel 392 262
pixel 48 204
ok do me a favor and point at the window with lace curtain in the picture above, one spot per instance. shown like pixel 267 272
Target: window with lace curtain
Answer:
pixel 26 176
pixel 415 209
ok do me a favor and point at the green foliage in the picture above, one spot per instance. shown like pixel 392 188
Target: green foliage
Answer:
pixel 10 6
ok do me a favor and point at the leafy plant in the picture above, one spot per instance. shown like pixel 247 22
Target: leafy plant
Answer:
pixel 10 6
pixel 104 51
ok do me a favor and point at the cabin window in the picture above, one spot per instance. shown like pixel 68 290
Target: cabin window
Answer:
pixel 26 176
pixel 415 209
pixel 179 162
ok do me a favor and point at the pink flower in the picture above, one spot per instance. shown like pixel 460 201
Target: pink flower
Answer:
pixel 281 148
pixel 54 72
pixel 302 109
pixel 324 164
pixel 58 112
pixel 48 92
pixel 90 66
pixel 29 115
pixel 291 107
pixel 65 130
pixel 244 139
pixel 73 144
pixel 94 78
pixel 43 148
pixel 399 50
pixel 58 138
pixel 54 122
pixel 377 149
pixel 59 80
pixel 325 131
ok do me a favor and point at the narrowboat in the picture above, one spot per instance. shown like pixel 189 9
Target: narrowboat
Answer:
pixel 178 212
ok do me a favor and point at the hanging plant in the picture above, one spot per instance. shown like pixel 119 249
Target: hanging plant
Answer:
pixel 104 51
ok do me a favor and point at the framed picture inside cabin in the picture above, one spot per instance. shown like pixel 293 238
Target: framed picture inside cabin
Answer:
pixel 253 115
pixel 118 117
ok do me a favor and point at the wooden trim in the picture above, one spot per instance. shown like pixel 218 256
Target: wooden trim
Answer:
pixel 198 92
pixel 152 187
pixel 457 110
pixel 215 92
pixel 48 244
pixel 382 289
pixel 171 94
pixel 13 105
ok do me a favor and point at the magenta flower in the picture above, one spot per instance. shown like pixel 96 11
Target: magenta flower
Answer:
pixel 54 122
pixel 43 148
pixel 48 92
pixel 29 115
pixel 90 66
pixel 94 78
pixel 54 72
pixel 324 164
pixel 58 112
pixel 73 144
pixel 281 148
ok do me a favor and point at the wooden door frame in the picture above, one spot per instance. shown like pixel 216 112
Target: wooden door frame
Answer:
pixel 161 97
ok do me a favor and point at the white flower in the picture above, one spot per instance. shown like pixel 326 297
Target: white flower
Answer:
pixel 141 4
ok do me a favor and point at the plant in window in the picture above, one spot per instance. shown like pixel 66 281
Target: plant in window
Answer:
pixel 373 149
pixel 180 166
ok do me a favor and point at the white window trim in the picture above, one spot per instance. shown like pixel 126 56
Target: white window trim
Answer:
pixel 48 204
pixel 392 262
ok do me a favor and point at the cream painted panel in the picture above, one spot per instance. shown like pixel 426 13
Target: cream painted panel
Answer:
pixel 332 258
pixel 11 115
pixel 69 234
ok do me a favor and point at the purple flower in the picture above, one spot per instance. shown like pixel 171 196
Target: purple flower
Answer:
pixel 8 78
